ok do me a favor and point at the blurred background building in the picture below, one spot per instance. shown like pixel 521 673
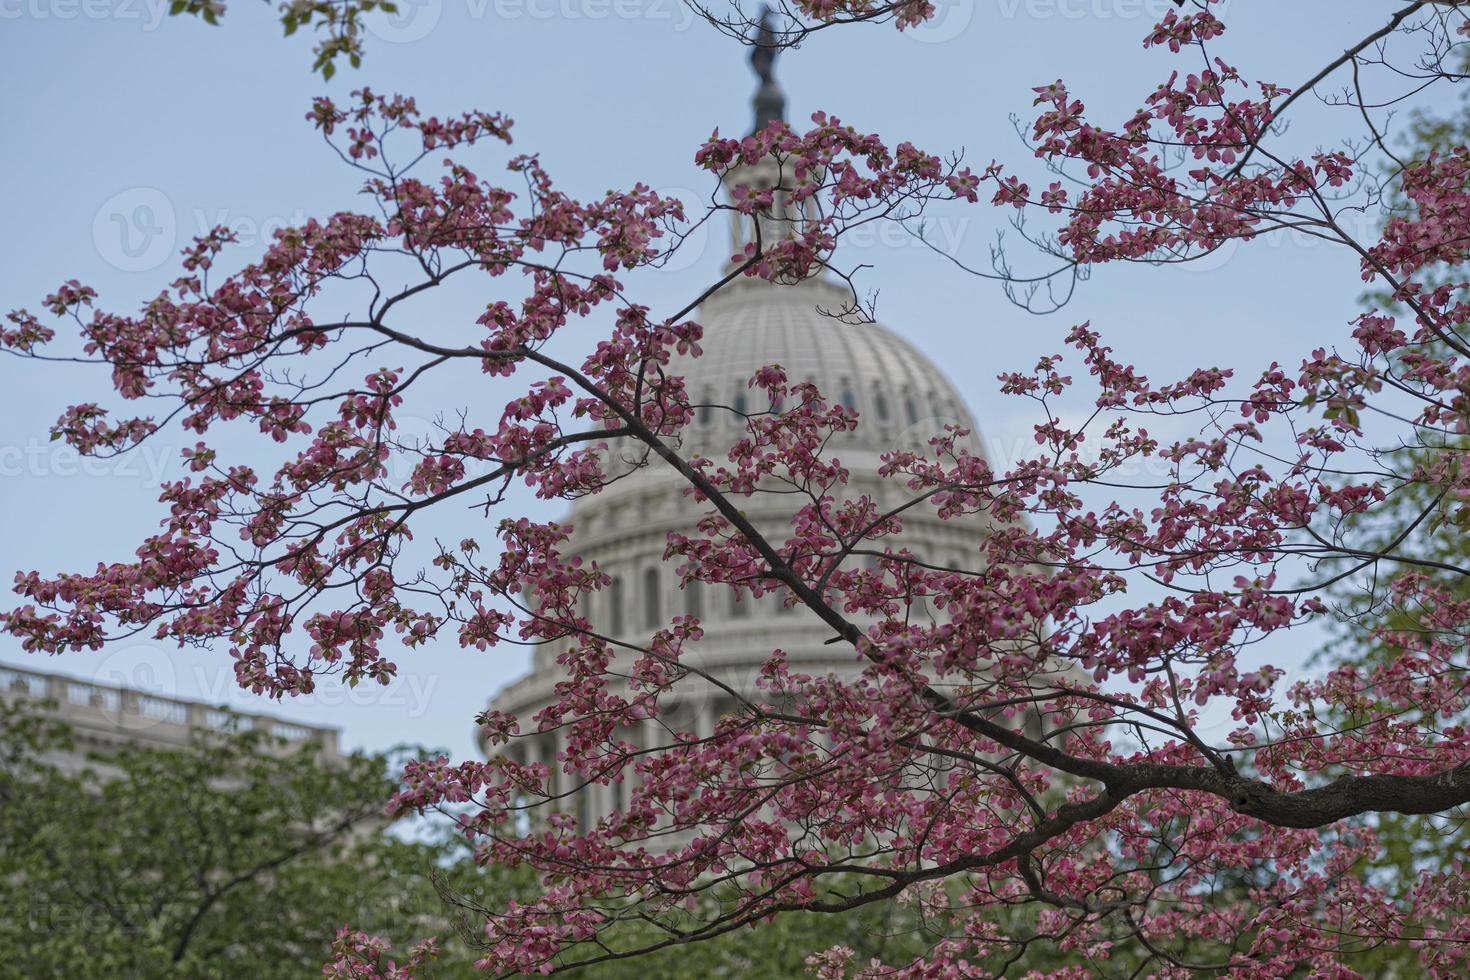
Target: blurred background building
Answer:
pixel 902 397
pixel 105 717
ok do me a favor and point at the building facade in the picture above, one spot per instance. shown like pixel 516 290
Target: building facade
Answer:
pixel 105 718
pixel 902 398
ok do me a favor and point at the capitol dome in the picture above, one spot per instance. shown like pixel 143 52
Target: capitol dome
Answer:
pixel 897 391
pixel 901 397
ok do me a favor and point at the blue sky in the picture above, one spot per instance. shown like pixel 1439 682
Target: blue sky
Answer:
pixel 130 132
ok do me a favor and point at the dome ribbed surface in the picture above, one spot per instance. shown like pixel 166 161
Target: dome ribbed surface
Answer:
pixel 902 399
pixel 895 388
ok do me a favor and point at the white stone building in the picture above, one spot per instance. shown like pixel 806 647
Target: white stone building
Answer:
pixel 902 397
pixel 105 717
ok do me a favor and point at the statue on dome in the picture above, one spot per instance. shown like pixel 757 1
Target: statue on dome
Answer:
pixel 770 102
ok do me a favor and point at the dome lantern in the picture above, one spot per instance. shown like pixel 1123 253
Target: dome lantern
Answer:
pixel 901 398
pixel 770 101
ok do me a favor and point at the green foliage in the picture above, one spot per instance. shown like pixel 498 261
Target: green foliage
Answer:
pixel 889 932
pixel 339 23
pixel 775 948
pixel 238 856
pixel 233 857
pixel 1420 522
pixel 894 933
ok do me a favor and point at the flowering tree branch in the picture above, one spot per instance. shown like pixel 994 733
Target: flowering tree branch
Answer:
pixel 1022 727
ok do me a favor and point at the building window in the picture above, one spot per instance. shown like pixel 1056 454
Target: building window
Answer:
pixel 738 609
pixel 1033 726
pixel 584 807
pixel 694 600
pixel 706 407
pixel 740 404
pixel 546 755
pixel 650 598
pixel 615 606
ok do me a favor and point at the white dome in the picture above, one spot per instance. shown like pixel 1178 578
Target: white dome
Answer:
pixel 896 390
pixel 901 397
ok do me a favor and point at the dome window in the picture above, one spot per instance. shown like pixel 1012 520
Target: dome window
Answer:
pixel 615 606
pixel 694 600
pixel 740 404
pixel 651 598
pixel 707 408
pixel 849 400
pixel 880 406
pixel 911 410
